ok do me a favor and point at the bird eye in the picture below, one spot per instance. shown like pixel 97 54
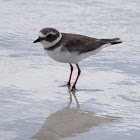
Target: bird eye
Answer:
pixel 49 36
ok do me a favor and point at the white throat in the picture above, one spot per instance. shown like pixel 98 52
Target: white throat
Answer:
pixel 47 44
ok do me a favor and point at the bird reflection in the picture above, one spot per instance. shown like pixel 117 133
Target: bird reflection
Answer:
pixel 68 121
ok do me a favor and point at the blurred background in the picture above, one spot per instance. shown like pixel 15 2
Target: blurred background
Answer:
pixel 32 84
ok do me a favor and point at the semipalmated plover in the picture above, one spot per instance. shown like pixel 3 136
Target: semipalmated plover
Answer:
pixel 71 48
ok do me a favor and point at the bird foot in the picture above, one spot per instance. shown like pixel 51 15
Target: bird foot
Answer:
pixel 68 84
pixel 73 88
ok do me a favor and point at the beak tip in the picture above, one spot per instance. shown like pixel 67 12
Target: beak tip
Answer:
pixel 37 40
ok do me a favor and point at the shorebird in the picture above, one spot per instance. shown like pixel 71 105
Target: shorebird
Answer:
pixel 71 48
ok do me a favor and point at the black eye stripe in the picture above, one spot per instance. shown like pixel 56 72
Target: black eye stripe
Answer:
pixel 49 35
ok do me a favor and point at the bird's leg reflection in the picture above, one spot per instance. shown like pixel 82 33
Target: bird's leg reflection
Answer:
pixel 69 101
pixel 73 93
pixel 78 105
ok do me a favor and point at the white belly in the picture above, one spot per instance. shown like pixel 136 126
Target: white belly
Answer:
pixel 71 57
pixel 64 57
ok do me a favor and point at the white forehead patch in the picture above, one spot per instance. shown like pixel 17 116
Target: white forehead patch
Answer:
pixel 41 35
pixel 53 33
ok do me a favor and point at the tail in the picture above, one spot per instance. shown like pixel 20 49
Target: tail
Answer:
pixel 112 41
pixel 115 41
pixel 103 43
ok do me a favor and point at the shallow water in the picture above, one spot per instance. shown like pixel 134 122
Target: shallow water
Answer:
pixel 32 95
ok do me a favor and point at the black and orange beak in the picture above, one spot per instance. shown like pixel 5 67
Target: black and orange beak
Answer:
pixel 37 40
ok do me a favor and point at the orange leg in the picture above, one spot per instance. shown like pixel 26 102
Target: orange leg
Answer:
pixel 79 72
pixel 70 74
